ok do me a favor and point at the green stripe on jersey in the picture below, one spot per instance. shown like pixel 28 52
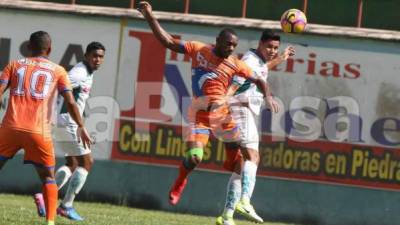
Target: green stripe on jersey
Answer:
pixel 245 86
pixel 75 92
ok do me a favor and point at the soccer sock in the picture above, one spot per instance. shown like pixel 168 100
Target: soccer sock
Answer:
pixel 233 191
pixel 50 195
pixel 249 173
pixel 62 175
pixel 183 174
pixel 76 183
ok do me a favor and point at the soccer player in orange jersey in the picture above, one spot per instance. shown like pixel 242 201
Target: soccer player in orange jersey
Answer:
pixel 78 159
pixel 33 83
pixel 213 68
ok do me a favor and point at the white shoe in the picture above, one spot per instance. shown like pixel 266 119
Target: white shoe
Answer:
pixel 222 221
pixel 246 209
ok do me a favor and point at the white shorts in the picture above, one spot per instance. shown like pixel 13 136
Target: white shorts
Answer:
pixel 64 138
pixel 247 123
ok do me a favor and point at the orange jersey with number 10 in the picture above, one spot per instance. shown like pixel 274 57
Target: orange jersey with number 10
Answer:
pixel 33 84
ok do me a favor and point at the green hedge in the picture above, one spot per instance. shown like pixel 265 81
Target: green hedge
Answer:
pixel 382 14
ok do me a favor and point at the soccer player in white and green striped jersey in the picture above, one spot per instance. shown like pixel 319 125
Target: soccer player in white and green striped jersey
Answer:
pixel 78 158
pixel 245 108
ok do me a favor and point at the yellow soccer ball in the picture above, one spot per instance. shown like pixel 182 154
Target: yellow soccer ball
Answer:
pixel 293 21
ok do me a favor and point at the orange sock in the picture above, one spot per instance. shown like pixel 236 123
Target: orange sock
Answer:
pixel 50 194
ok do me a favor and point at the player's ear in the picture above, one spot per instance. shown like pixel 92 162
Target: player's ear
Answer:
pixel 49 50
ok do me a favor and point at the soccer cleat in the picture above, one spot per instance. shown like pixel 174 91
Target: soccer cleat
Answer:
pixel 68 212
pixel 50 223
pixel 40 206
pixel 222 221
pixel 176 191
pixel 246 209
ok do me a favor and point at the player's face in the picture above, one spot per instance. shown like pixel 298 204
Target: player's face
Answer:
pixel 95 58
pixel 226 45
pixel 268 49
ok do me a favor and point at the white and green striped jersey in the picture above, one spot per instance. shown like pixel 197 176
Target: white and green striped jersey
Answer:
pixel 248 91
pixel 81 78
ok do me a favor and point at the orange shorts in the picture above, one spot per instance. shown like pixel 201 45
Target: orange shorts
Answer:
pixel 233 156
pixel 218 121
pixel 38 149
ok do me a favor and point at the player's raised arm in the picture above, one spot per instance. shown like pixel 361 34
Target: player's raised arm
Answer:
pixel 289 51
pixel 74 112
pixel 164 37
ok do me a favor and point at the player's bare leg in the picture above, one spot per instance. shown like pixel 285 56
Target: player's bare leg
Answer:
pixel 193 157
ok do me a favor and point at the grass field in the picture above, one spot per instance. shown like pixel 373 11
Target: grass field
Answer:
pixel 20 210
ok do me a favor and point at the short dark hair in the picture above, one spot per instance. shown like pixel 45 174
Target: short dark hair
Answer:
pixel 269 35
pixel 93 46
pixel 40 41
pixel 226 31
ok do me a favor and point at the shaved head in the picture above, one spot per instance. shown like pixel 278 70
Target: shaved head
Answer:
pixel 226 43
pixel 40 43
pixel 226 32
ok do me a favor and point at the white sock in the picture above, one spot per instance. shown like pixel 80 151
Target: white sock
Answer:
pixel 76 183
pixel 233 190
pixel 249 173
pixel 62 175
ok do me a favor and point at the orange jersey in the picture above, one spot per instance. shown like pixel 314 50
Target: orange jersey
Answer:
pixel 33 83
pixel 211 75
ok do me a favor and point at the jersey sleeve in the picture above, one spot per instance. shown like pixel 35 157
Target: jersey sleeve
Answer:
pixel 243 70
pixel 191 47
pixel 75 76
pixel 238 80
pixel 6 75
pixel 63 83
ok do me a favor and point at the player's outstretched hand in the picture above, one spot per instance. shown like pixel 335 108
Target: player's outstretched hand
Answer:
pixel 289 51
pixel 144 8
pixel 280 58
pixel 273 105
pixel 83 136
